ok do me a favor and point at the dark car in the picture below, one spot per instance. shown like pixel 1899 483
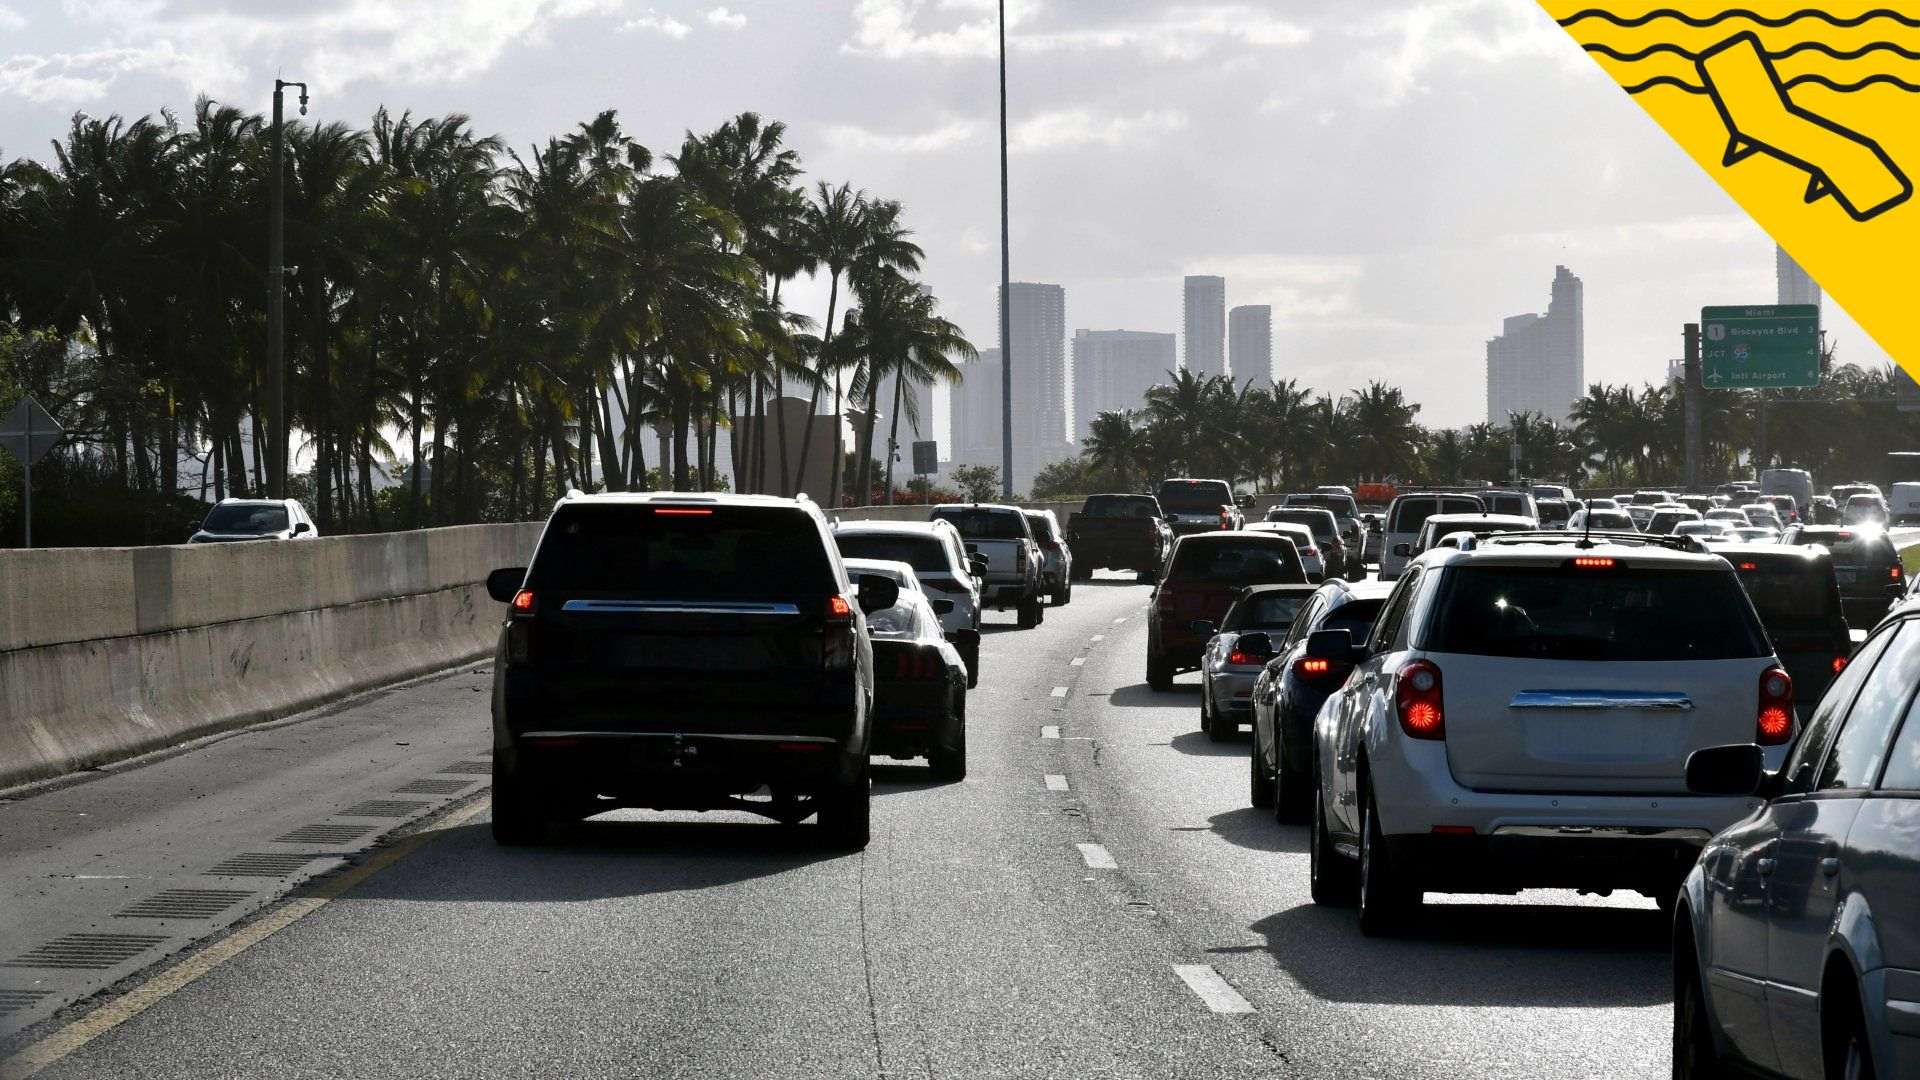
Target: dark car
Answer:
pixel 1198 506
pixel 1204 575
pixel 1793 590
pixel 682 652
pixel 1865 565
pixel 1119 532
pixel 1291 689
pixel 919 676
pixel 1354 532
pixel 1796 942
pixel 1554 513
pixel 1339 559
pixel 1241 645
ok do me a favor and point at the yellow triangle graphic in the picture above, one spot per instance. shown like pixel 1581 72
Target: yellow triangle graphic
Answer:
pixel 1808 113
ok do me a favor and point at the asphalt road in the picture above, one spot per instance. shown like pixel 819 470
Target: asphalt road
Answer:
pixel 1095 900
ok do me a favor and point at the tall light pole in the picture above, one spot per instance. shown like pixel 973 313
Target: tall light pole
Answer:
pixel 1006 291
pixel 277 296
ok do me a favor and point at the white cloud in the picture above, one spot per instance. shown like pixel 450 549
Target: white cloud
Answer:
pixel 11 19
pixel 1453 34
pixel 1081 127
pixel 1636 237
pixel 665 25
pixel 952 133
pixel 1296 286
pixel 732 20
pixel 892 29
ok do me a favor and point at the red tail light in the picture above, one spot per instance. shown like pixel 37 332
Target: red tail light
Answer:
pixel 1417 693
pixel 1893 572
pixel 523 600
pixel 1312 553
pixel 520 641
pixel 1238 657
pixel 1226 520
pixel 916 664
pixel 838 608
pixel 837 640
pixel 681 511
pixel 1774 723
pixel 1315 668
pixel 1839 664
pixel 1593 562
pixel 1020 557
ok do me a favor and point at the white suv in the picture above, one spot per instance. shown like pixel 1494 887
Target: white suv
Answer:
pixel 1520 717
pixel 939 559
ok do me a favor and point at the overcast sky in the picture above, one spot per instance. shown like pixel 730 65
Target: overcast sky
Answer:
pixel 1394 183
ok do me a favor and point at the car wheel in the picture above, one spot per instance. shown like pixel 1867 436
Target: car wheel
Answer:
pixel 1260 783
pixel 970 655
pixel 518 818
pixel 1291 789
pixel 1694 1056
pixel 1065 595
pixel 949 762
pixel 1218 728
pixel 1159 672
pixel 1029 612
pixel 846 812
pixel 1849 1054
pixel 1329 874
pixel 1386 896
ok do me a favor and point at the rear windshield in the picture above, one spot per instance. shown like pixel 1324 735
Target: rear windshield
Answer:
pixel 926 554
pixel 246 519
pixel 984 524
pixel 1794 597
pixel 1194 496
pixel 1341 505
pixel 1410 514
pixel 1610 519
pixel 1355 616
pixel 1319 521
pixel 1507 504
pixel 730 552
pixel 1554 612
pixel 1854 553
pixel 1121 506
pixel 1231 562
pixel 1554 511
pixel 1042 527
pixel 1267 611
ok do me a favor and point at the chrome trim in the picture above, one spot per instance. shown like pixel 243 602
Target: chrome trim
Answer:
pixel 1605 832
pixel 1602 699
pixel 677 607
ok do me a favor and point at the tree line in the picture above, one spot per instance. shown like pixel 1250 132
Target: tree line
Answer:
pixel 522 321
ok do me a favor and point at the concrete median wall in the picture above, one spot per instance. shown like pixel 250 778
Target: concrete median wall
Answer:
pixel 110 652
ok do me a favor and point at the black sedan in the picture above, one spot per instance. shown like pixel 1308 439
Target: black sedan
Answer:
pixel 1292 687
pixel 919 678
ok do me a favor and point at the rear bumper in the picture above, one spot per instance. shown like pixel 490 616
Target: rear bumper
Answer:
pixel 672 769
pixel 1513 860
pixel 1097 556
pixel 910 719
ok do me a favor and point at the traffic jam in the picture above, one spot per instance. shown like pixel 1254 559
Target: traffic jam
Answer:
pixel 1703 699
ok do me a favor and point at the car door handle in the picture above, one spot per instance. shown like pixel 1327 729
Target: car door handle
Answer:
pixel 1764 867
pixel 1829 866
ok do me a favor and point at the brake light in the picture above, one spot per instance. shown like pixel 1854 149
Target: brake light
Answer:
pixel 1592 562
pixel 1020 557
pixel 1315 668
pixel 1839 664
pixel 1893 572
pixel 1226 520
pixel 1749 566
pixel 1238 657
pixel 1417 694
pixel 682 511
pixel 837 638
pixel 1311 553
pixel 916 664
pixel 1774 723
pixel 523 600
pixel 838 608
pixel 1845 534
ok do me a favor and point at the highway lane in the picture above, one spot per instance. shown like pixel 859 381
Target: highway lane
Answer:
pixel 1095 904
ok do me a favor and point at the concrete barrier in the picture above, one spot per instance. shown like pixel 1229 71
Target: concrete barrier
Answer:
pixel 110 652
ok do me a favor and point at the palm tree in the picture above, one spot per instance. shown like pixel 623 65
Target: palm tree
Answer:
pixel 1386 438
pixel 1117 443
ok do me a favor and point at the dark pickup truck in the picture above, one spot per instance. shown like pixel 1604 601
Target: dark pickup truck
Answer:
pixel 1119 532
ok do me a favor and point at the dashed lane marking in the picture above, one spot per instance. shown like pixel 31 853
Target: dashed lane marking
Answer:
pixel 1051 731
pixel 1119 620
pixel 1099 858
pixel 1098 637
pixel 1056 782
pixel 1078 661
pixel 1059 691
pixel 1218 994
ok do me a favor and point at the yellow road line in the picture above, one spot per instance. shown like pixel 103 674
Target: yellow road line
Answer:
pixel 58 1045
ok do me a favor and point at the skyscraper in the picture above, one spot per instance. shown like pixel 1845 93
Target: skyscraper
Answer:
pixel 1112 370
pixel 1792 284
pixel 1038 320
pixel 1250 342
pixel 1204 326
pixel 1538 363
pixel 975 403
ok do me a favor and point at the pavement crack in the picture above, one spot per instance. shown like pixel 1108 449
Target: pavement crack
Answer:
pixel 866 964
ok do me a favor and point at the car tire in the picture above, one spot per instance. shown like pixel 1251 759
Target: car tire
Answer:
pixel 1159 672
pixel 1260 791
pixel 1291 790
pixel 949 762
pixel 1029 612
pixel 1694 1054
pixel 1064 596
pixel 1147 577
pixel 970 655
pixel 1849 1049
pixel 1217 728
pixel 846 812
pixel 1386 895
pixel 1330 875
pixel 518 818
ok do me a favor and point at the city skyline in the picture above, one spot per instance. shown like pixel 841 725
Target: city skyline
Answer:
pixel 1537 363
pixel 1203 324
pixel 1250 341
pixel 1113 369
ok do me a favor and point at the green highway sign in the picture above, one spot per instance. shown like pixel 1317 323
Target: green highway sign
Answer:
pixel 1747 348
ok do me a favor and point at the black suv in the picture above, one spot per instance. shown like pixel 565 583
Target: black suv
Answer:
pixel 1794 593
pixel 682 652
pixel 1865 565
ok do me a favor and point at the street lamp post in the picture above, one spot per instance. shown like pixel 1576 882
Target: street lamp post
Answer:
pixel 277 296
pixel 1006 297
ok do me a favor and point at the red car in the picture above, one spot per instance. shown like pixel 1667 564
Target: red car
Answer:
pixel 1205 574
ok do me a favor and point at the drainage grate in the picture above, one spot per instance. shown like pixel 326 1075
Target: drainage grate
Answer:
pixel 12 1001
pixel 469 768
pixel 324 834
pixel 394 808
pixel 260 864
pixel 184 904
pixel 432 787
pixel 94 952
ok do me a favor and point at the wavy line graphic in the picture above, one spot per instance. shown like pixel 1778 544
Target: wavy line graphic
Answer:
pixel 1739 13
pixel 1612 53
pixel 1798 80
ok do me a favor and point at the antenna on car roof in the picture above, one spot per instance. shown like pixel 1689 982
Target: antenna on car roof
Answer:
pixel 1586 537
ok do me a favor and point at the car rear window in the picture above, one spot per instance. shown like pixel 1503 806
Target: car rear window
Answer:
pixel 984 524
pixel 1267 611
pixel 1554 511
pixel 246 519
pixel 1042 527
pixel 1795 597
pixel 1355 616
pixel 1121 506
pixel 1341 505
pixel 1319 521
pixel 1623 613
pixel 922 554
pixel 1856 552
pixel 1410 514
pixel 1195 496
pixel 1507 504
pixel 725 552
pixel 1240 562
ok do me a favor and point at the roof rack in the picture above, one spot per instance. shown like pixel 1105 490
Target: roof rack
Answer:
pixel 1687 544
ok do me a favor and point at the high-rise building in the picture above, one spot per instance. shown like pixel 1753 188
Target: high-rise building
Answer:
pixel 1038 321
pixel 974 429
pixel 1204 325
pixel 1112 370
pixel 1538 363
pixel 1250 342
pixel 1792 284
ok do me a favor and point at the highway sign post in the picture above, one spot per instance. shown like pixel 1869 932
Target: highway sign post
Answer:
pixel 1758 348
pixel 28 432
pixel 926 457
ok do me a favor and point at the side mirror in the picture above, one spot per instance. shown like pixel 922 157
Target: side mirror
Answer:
pixel 301 527
pixel 943 606
pixel 1244 502
pixel 977 563
pixel 1201 627
pixel 502 584
pixel 1334 645
pixel 1257 646
pixel 1726 770
pixel 1404 551
pixel 877 592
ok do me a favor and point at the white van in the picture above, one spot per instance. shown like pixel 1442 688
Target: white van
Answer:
pixel 1795 482
pixel 1903 504
pixel 1407 514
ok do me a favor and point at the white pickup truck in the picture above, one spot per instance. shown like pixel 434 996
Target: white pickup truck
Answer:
pixel 1001 535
